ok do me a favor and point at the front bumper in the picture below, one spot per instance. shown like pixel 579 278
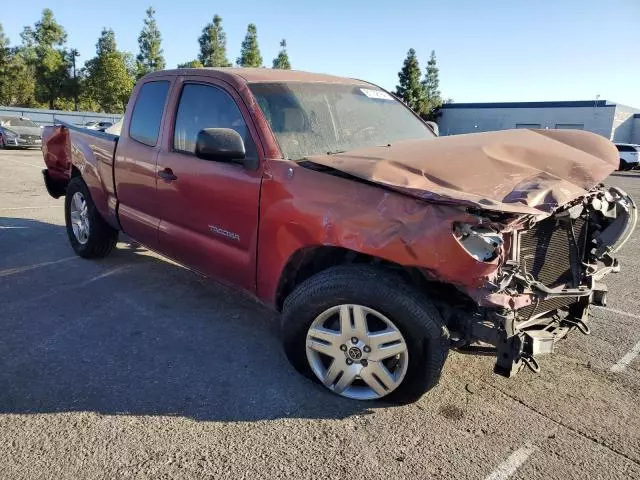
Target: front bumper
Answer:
pixel 23 142
pixel 552 275
pixel 624 165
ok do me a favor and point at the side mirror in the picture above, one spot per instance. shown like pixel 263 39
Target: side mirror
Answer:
pixel 434 127
pixel 220 144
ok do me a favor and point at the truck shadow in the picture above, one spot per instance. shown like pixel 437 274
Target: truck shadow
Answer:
pixel 134 334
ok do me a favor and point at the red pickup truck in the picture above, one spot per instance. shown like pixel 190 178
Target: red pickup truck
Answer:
pixel 383 245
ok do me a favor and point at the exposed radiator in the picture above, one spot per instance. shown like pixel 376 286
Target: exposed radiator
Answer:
pixel 547 253
pixel 545 250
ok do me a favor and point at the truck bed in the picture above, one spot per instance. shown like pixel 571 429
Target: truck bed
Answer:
pixel 93 155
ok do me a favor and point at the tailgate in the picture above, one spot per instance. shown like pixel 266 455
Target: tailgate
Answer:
pixel 56 150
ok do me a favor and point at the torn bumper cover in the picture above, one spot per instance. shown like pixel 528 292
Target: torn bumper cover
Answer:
pixel 553 273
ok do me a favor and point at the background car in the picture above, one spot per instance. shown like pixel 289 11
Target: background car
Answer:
pixel 115 128
pixel 100 126
pixel 629 156
pixel 19 132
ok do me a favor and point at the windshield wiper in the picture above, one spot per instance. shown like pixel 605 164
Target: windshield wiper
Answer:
pixel 336 152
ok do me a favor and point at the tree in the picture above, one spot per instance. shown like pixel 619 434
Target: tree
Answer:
pixel 150 58
pixel 282 60
pixel 43 49
pixel 430 84
pixel 106 43
pixel 213 45
pixel 17 74
pixel 21 81
pixel 73 54
pixel 109 75
pixel 4 47
pixel 4 68
pixel 130 65
pixel 250 52
pixel 191 64
pixel 409 88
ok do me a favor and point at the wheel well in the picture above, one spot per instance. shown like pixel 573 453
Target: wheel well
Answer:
pixel 456 308
pixel 306 262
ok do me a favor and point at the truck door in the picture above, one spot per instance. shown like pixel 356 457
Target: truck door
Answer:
pixel 135 163
pixel 209 209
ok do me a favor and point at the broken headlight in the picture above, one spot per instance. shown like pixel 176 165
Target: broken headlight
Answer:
pixel 481 242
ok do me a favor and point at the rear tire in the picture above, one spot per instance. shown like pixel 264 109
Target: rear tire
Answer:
pixel 92 237
pixel 380 291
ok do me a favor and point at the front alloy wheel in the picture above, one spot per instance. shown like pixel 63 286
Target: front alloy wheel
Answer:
pixel 357 352
pixel 365 333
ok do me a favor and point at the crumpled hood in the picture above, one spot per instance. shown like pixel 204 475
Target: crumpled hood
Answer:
pixel 518 171
pixel 24 130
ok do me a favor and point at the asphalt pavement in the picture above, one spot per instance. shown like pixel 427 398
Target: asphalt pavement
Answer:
pixel 134 367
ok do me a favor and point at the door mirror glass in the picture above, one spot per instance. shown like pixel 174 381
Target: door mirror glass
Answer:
pixel 220 144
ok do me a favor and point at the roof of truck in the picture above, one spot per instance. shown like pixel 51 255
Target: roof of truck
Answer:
pixel 254 75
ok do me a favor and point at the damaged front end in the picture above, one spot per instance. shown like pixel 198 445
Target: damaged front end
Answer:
pixel 551 274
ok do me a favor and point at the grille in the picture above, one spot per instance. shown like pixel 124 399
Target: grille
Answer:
pixel 30 138
pixel 546 250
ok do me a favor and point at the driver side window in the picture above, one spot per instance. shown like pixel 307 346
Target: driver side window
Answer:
pixel 206 106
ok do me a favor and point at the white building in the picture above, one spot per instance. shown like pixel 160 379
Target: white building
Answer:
pixel 616 122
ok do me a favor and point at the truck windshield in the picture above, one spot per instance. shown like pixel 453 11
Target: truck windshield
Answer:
pixel 319 118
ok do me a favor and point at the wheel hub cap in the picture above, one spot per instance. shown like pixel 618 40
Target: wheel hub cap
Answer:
pixel 79 213
pixel 357 352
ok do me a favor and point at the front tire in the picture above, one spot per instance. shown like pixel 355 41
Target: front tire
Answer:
pixel 90 236
pixel 365 334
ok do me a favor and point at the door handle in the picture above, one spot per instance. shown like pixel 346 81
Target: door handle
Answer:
pixel 167 174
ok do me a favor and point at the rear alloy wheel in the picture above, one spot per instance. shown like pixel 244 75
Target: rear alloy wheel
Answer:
pixel 89 235
pixel 357 352
pixel 365 333
pixel 79 213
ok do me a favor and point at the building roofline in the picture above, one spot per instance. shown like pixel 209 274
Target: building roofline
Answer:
pixel 553 104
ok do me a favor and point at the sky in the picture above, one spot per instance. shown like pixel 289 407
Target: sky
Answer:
pixel 487 50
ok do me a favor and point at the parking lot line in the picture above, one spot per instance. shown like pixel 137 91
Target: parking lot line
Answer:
pixel 511 464
pixel 627 359
pixel 22 163
pixel 13 271
pixel 619 312
pixel 29 208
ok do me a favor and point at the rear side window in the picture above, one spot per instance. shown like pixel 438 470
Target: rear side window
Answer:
pixel 147 112
pixel 626 148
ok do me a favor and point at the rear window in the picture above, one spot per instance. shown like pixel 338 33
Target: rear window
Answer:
pixel 147 112
pixel 626 148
